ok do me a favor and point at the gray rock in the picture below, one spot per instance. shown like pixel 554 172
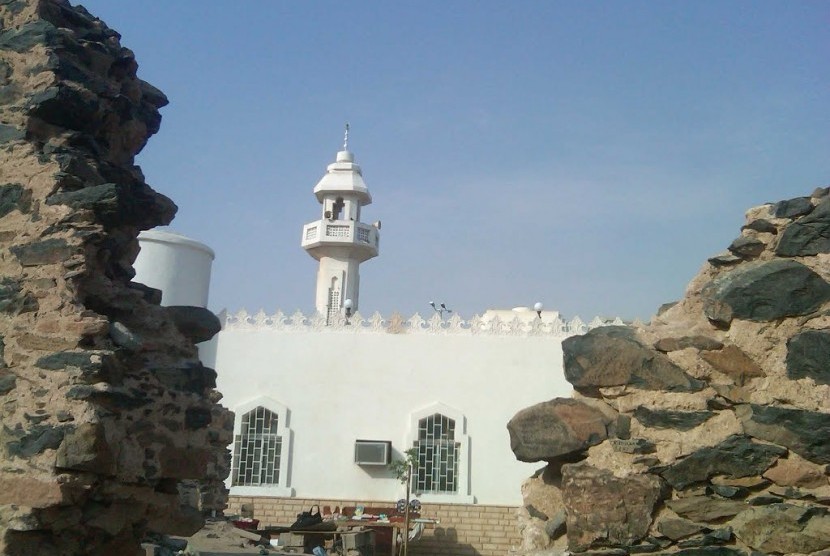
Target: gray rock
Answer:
pixel 747 247
pixel 705 508
pixel 559 428
pixel 792 208
pixel 804 432
pixel 612 356
pixel 783 529
pixel 86 449
pixel 703 343
pixel 555 526
pixel 707 551
pixel 765 291
pixel 737 456
pixel 727 491
pixel 667 419
pixel 124 337
pixel 13 196
pixel 48 251
pixel 678 528
pixel 724 259
pixel 632 446
pixel 808 356
pixel 8 381
pixel 761 225
pixel 719 313
pixel 809 235
pixel 36 440
pixel 196 323
pixel 604 510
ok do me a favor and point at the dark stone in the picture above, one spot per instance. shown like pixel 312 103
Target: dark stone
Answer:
pixel 556 429
pixel 196 323
pixel 150 295
pixel 604 510
pixel 39 439
pixel 197 418
pixel 715 537
pixel 732 361
pixel 765 291
pixel 724 259
pixel 152 95
pixel 8 381
pixel 555 526
pixel 761 225
pixel 12 301
pixel 804 432
pixel 9 133
pixel 120 204
pixel 14 196
pixel 48 251
pixel 747 247
pixel 667 419
pixel 622 429
pixel 807 236
pixel 612 356
pixel 113 400
pixel 735 457
pixel 632 446
pixel 793 208
pixel 708 551
pixel 63 416
pixel 706 509
pixel 718 313
pixel 703 343
pixel 820 192
pixel 27 36
pixel 783 529
pixel 68 359
pixel 728 491
pixel 86 449
pixel 68 107
pixel 764 500
pixel 644 548
pixel 678 528
pixel 808 356
pixel 531 509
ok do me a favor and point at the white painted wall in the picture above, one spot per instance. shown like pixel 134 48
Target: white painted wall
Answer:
pixel 345 383
pixel 178 266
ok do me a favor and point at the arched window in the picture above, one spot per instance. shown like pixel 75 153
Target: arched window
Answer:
pixel 261 444
pixel 438 433
pixel 257 450
pixel 437 471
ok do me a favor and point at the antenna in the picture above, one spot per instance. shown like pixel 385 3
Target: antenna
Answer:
pixel 346 138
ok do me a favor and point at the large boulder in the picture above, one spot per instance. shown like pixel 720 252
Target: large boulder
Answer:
pixel 612 356
pixel 765 291
pixel 809 235
pixel 605 510
pixel 557 429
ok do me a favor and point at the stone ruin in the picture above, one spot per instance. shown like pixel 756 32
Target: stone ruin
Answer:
pixel 108 416
pixel 706 431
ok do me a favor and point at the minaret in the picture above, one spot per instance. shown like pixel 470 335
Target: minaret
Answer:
pixel 339 240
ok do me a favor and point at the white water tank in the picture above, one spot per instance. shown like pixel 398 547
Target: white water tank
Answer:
pixel 176 265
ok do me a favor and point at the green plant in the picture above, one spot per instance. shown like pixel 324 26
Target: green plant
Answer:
pixel 402 468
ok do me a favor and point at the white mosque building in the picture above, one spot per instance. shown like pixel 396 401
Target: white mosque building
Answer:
pixel 323 402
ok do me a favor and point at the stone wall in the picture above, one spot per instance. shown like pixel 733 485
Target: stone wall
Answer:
pixel 106 409
pixel 464 529
pixel 706 431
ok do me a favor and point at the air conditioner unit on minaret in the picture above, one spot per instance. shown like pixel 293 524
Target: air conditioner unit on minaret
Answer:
pixel 372 452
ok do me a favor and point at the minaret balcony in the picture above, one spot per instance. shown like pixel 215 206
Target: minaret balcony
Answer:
pixel 364 238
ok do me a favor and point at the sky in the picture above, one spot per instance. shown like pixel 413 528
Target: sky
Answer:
pixel 587 155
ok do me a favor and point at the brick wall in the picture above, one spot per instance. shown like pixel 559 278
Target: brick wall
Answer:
pixel 465 529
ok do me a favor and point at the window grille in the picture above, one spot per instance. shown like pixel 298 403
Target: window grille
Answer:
pixel 363 235
pixel 311 233
pixel 338 231
pixel 437 470
pixel 256 451
pixel 334 306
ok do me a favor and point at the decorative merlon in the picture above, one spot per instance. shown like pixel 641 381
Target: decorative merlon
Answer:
pixel 396 324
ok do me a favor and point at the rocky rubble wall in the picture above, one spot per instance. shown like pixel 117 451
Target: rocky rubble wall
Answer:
pixel 106 411
pixel 706 431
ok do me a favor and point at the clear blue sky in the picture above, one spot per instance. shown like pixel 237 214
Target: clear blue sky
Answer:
pixel 589 155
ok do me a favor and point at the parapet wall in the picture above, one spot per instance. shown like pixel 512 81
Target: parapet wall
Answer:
pixel 106 409
pixel 706 431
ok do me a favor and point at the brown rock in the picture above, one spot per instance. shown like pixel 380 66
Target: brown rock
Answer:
pixel 705 508
pixel 795 471
pixel 783 529
pixel 732 361
pixel 604 510
pixel 556 429
pixel 667 345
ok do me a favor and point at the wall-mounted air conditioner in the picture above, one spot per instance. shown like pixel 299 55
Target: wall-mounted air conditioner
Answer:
pixel 372 452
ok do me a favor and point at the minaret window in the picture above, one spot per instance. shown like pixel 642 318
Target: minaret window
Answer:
pixel 334 302
pixel 337 208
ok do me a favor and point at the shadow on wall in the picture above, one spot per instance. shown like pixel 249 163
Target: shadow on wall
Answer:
pixel 443 540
